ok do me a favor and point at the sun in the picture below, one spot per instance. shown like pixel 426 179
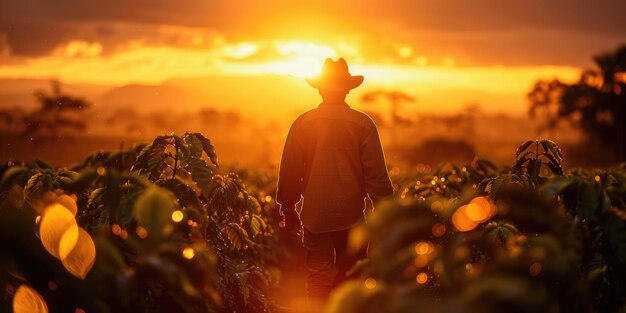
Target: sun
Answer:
pixel 301 59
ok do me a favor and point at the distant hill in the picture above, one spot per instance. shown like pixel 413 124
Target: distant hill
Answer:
pixel 270 97
pixel 251 95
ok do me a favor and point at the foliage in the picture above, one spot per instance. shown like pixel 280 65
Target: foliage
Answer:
pixel 172 233
pixel 484 239
pixel 596 103
pixel 55 117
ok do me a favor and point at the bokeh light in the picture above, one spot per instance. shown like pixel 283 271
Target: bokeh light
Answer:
pixel 461 221
pixel 189 253
pixel 370 283
pixel 421 278
pixel 177 216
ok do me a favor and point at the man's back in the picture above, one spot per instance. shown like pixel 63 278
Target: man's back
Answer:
pixel 333 158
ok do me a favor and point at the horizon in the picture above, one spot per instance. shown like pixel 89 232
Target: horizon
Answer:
pixel 471 53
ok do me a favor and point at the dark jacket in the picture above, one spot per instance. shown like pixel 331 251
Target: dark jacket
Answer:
pixel 332 158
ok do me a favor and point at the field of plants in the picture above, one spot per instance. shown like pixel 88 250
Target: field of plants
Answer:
pixel 161 227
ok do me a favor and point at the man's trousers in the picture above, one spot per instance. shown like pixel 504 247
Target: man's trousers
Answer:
pixel 328 260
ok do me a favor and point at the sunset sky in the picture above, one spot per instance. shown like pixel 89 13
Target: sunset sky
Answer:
pixel 492 47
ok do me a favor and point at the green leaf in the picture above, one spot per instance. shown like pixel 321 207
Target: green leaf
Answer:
pixel 109 258
pixel 153 211
pixel 126 208
pixel 83 181
pixel 588 199
pixel 14 175
pixel 95 197
pixel 257 224
pixel 549 145
pixel 201 174
pixel 523 147
pixel 236 235
pixel 195 145
pixel 182 150
pixel 557 185
pixel 253 204
pixel 186 196
pixel 151 158
pixel 207 147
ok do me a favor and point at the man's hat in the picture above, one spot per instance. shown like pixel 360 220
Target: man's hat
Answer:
pixel 335 75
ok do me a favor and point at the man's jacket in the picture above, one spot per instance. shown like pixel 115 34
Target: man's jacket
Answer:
pixel 332 159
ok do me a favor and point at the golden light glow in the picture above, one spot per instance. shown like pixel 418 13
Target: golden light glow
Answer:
pixel 481 209
pixel 439 230
pixel 423 248
pixel 68 202
pixel 189 253
pixel 141 232
pixel 58 230
pixel 81 258
pixel 421 278
pixel 177 216
pixel 370 283
pixel 116 229
pixel 461 221
pixel 27 300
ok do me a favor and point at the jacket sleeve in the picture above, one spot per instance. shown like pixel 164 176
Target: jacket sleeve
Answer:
pixel 377 182
pixel 292 167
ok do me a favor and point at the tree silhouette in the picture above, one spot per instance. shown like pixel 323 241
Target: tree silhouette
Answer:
pixel 56 117
pixel 395 98
pixel 596 103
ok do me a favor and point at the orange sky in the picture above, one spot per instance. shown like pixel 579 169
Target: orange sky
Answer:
pixel 486 47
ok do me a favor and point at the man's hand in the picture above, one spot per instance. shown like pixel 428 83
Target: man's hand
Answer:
pixel 292 223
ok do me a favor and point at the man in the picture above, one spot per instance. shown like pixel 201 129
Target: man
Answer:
pixel 332 159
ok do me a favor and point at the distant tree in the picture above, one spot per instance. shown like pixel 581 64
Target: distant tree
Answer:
pixel 596 103
pixel 57 117
pixel 395 98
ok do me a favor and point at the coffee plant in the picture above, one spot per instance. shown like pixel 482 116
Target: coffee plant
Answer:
pixel 158 228
pixel 478 238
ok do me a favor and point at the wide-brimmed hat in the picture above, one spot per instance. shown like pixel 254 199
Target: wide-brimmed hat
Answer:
pixel 335 75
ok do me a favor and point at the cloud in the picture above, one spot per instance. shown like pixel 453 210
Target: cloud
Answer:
pixel 560 32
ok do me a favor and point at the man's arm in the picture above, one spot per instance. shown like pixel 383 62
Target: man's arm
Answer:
pixel 291 173
pixel 377 183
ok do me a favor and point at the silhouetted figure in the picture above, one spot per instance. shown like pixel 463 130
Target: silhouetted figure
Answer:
pixel 332 160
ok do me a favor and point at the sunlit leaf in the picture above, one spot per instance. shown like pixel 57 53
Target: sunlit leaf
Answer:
pixel 58 222
pixel 80 259
pixel 236 235
pixel 201 174
pixel 255 224
pixel 150 159
pixel 27 300
pixel 208 148
pixel 253 203
pixel 523 147
pixel 194 145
